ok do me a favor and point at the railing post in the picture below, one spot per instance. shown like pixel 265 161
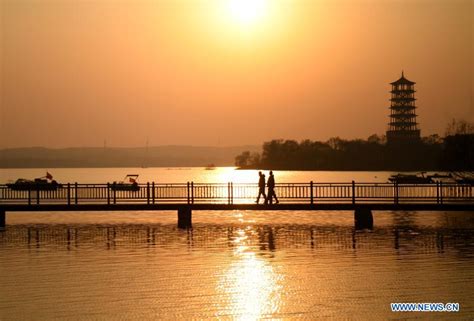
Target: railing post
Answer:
pixel 153 192
pixel 188 194
pixel 3 218
pixel 441 193
pixel 68 193
pixel 115 193
pixel 231 193
pixel 29 196
pixel 148 192
pixel 192 192
pixel 228 193
pixel 353 192
pixel 311 192
pixel 437 192
pixel 108 193
pixel 395 187
pixel 75 193
pixel 37 195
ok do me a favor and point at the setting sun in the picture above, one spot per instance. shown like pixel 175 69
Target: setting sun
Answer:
pixel 247 12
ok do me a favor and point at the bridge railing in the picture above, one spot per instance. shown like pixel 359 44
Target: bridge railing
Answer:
pixel 241 193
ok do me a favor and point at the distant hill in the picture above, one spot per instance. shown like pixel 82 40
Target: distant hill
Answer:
pixel 159 156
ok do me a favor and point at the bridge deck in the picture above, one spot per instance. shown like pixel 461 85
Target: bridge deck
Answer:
pixel 230 196
pixel 243 207
pixel 361 197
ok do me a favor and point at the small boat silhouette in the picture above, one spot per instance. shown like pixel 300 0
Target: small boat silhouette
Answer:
pixel 210 167
pixel 45 183
pixel 129 183
pixel 410 178
pixel 464 177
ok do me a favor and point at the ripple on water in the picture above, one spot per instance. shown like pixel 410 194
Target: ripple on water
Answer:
pixel 239 265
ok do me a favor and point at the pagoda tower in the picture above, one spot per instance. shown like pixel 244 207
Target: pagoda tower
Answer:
pixel 402 128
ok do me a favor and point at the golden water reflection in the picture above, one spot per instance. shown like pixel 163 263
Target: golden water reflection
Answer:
pixel 251 285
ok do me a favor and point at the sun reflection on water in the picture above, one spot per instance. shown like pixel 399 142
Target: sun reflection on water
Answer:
pixel 251 285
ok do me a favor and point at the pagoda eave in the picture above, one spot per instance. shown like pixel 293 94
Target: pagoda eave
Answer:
pixel 397 91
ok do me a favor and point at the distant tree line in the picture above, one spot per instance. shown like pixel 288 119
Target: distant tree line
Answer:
pixel 153 156
pixel 454 152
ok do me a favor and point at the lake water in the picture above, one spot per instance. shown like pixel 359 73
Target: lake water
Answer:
pixel 244 265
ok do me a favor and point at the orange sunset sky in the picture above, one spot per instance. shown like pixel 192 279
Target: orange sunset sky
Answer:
pixel 226 72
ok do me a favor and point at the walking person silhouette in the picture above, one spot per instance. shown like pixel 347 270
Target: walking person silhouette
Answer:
pixel 271 189
pixel 261 188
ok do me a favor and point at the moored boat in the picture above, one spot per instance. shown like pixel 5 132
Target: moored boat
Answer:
pixel 442 178
pixel 210 167
pixel 410 179
pixel 464 177
pixel 45 183
pixel 129 183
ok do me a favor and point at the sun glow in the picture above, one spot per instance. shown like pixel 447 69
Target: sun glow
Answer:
pixel 247 12
pixel 250 24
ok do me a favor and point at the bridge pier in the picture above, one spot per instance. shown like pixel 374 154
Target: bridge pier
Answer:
pixel 185 217
pixel 2 219
pixel 363 219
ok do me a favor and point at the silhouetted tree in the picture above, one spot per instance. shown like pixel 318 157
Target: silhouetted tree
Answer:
pixel 459 127
pixel 432 139
pixel 243 160
pixel 375 139
pixel 335 143
pixel 458 149
pixel 247 159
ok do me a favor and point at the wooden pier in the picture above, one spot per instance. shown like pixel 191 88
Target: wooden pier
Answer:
pixel 362 198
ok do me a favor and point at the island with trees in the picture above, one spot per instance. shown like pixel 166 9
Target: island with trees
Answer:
pixel 453 152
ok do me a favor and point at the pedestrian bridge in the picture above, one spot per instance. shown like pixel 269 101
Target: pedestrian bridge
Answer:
pixel 185 197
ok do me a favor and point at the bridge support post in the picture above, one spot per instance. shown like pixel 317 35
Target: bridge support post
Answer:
pixel 363 219
pixel 185 217
pixel 2 219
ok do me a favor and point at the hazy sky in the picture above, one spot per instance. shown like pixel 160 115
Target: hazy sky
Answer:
pixel 213 72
